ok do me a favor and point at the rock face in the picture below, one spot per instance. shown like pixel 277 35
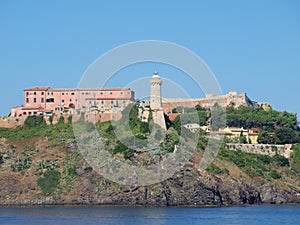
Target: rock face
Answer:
pixel 80 184
pixel 187 188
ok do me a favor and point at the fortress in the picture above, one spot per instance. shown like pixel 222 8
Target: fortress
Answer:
pixel 103 104
pixel 230 99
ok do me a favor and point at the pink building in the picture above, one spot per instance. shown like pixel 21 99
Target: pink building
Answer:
pixel 46 100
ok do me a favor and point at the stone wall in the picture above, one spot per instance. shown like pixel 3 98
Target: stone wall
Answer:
pixel 231 98
pixel 263 149
pixel 11 122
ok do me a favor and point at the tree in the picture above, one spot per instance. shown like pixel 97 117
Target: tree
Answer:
pixel 218 118
pixel 266 138
pixel 286 135
pixel 174 110
pixel 242 138
pixel 176 124
pixel 34 121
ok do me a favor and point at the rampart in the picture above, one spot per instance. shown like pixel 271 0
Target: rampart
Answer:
pixel 263 149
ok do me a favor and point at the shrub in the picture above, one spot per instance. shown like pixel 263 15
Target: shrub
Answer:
pixel 49 182
pixel 274 174
pixel 295 158
pixel 88 169
pixel 34 121
pixel 280 160
pixel 72 172
pixel 216 170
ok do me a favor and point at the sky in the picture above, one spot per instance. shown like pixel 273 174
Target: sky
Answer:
pixel 250 46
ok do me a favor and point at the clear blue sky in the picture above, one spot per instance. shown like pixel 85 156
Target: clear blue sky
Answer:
pixel 251 46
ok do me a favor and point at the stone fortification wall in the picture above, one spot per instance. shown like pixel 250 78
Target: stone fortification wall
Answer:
pixel 208 102
pixel 263 149
pixel 11 122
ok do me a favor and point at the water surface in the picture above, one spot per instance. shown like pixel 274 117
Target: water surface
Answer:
pixel 262 214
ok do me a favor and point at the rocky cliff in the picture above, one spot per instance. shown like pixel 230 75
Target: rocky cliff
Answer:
pixel 26 179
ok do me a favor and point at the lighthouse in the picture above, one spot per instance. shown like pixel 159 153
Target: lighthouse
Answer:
pixel 155 92
pixel 156 101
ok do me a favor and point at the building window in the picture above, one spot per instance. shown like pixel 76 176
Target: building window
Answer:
pixel 42 100
pixel 110 93
pixel 34 93
pixel 112 102
pixel 27 100
pixel 72 93
pixel 34 100
pixel 50 100
pixel 42 93
pixel 29 113
pixel 121 92
pixel 63 93
pixel 82 93
pixel 101 93
pixel 27 93
pixel 87 93
pixel 102 102
pixel 70 100
pixel 62 101
pixel 51 93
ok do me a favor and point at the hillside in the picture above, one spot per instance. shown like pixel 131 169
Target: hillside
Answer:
pixel 42 164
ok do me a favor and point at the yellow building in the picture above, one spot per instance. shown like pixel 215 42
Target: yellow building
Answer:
pixel 233 133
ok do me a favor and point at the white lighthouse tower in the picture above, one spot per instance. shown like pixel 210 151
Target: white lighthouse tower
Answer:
pixel 155 92
pixel 156 102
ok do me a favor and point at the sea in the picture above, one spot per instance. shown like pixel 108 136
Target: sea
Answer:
pixel 258 214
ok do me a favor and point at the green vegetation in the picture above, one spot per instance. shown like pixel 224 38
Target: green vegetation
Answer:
pixel 49 182
pixel 34 121
pixel 295 158
pixel 21 164
pixel 255 165
pixel 212 168
pixel 217 118
pixel 88 169
pixel 35 127
pixel 45 165
pixel 189 115
pixel 283 124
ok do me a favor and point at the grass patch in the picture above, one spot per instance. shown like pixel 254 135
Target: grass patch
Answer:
pixel 49 182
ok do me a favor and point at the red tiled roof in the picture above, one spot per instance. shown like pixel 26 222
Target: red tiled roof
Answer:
pixel 37 89
pixel 172 116
pixel 89 89
pixel 75 89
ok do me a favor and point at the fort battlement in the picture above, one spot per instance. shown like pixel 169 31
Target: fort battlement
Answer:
pixel 231 98
pixel 263 149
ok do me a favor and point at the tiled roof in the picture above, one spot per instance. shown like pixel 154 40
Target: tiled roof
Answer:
pixel 75 89
pixel 37 89
pixel 172 116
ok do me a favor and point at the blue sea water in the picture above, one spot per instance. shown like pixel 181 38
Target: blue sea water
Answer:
pixel 261 214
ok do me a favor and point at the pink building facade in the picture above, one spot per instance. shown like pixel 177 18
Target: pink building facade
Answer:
pixel 46 100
